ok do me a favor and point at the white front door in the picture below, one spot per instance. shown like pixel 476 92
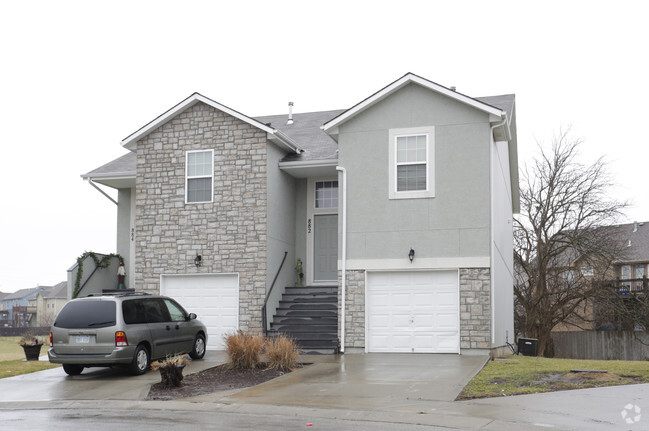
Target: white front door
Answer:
pixel 413 312
pixel 213 297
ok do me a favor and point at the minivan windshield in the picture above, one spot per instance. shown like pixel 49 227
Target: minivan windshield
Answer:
pixel 86 314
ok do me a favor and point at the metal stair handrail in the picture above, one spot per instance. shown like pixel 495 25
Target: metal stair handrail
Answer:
pixel 264 318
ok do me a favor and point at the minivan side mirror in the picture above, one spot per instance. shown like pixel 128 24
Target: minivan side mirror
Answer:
pixel 191 316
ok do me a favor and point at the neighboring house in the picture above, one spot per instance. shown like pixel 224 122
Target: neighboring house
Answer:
pixel 47 303
pixel 408 193
pixel 4 314
pixel 19 316
pixel 627 275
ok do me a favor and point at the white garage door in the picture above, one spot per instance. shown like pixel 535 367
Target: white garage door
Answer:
pixel 214 298
pixel 413 312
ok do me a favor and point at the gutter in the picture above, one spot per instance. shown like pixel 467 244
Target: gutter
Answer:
pixel 343 266
pixel 287 142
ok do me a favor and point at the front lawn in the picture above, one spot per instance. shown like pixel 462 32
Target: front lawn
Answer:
pixel 12 359
pixel 517 375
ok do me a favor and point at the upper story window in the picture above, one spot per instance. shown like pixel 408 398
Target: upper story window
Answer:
pixel 326 194
pixel 199 176
pixel 412 163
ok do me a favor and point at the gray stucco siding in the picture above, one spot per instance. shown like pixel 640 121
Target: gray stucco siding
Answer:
pixel 281 228
pixel 455 222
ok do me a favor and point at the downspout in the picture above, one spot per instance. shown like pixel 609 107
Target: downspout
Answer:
pixel 101 191
pixel 343 267
pixel 491 215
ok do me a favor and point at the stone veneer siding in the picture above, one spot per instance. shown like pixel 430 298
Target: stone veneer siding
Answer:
pixel 230 232
pixel 355 309
pixel 475 308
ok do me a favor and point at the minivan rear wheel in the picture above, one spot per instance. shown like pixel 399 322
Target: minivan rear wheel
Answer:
pixel 72 369
pixel 141 360
pixel 198 351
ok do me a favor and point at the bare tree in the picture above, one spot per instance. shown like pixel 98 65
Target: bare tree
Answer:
pixel 559 249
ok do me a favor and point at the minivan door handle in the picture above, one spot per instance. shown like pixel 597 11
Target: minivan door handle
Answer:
pixel 177 326
pixel 168 328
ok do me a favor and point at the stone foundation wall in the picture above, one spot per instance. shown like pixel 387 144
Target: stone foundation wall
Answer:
pixel 230 232
pixel 475 308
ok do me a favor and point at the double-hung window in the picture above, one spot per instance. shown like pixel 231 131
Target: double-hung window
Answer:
pixel 199 176
pixel 412 163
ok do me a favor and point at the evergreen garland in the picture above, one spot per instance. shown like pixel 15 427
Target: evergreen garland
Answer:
pixel 102 263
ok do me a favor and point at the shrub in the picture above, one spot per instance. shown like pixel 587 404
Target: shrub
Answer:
pixel 282 353
pixel 171 361
pixel 244 349
pixel 28 339
pixel 171 369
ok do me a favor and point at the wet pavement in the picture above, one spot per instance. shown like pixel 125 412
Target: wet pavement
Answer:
pixel 378 388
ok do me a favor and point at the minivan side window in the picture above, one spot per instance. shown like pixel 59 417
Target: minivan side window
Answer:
pixel 133 312
pixel 175 311
pixel 155 311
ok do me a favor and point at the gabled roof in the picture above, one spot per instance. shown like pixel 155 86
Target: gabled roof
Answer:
pixel 23 293
pixel 130 142
pixel 331 126
pixel 57 291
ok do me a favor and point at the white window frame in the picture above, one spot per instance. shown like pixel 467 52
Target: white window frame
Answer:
pixel 429 192
pixel 187 177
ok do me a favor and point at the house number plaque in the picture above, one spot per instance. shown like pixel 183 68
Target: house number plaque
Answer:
pixel 308 226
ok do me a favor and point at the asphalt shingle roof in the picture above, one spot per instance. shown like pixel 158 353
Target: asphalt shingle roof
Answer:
pixel 305 131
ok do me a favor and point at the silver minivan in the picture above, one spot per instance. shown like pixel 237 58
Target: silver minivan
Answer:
pixel 124 329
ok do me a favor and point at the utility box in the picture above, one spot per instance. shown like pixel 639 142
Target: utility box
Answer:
pixel 528 346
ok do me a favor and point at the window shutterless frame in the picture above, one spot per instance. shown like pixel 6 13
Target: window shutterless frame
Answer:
pixel 417 170
pixel 199 176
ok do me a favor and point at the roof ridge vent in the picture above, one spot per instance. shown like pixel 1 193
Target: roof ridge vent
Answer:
pixel 290 114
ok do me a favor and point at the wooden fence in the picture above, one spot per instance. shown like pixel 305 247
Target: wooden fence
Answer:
pixel 608 345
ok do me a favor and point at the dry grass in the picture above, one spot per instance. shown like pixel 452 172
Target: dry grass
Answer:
pixel 244 349
pixel 525 374
pixel 282 353
pixel 171 361
pixel 12 359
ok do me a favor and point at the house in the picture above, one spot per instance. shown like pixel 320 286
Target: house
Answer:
pixel 47 303
pixel 16 304
pixel 626 275
pixel 409 194
pixel 4 314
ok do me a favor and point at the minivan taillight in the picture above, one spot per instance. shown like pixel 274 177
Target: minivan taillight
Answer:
pixel 120 339
pixel 51 340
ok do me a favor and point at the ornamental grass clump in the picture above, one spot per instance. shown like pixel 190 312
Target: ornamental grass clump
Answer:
pixel 244 349
pixel 282 353
pixel 28 339
pixel 171 369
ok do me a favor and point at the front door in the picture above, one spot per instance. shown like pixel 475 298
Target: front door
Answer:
pixel 325 251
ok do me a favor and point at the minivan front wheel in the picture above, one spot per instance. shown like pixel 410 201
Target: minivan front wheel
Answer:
pixel 141 361
pixel 199 347
pixel 72 369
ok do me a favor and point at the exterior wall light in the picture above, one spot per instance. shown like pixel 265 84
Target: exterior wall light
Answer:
pixel 411 255
pixel 198 260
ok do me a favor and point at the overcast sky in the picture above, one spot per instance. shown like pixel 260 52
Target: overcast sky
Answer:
pixel 78 77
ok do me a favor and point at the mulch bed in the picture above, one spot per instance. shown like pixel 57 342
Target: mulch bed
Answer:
pixel 221 378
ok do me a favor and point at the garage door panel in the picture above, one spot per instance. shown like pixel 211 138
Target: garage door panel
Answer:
pixel 418 312
pixel 214 298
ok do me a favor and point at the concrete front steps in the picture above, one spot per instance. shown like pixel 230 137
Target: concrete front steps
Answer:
pixel 309 315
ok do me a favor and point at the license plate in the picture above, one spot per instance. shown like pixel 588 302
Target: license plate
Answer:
pixel 83 339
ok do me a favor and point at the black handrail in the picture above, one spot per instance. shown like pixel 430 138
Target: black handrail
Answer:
pixel 263 309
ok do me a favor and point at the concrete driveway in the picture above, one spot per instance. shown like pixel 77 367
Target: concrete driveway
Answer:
pixel 358 380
